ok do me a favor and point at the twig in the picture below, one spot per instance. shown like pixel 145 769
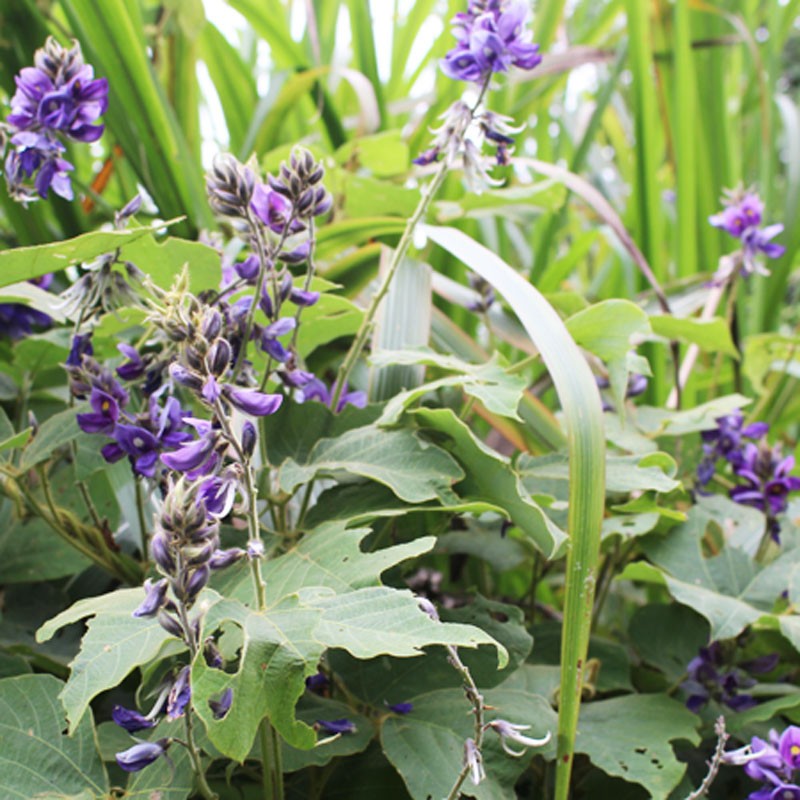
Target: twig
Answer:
pixel 715 763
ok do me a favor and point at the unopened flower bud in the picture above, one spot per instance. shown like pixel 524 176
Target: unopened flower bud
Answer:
pixel 170 624
pixel 249 438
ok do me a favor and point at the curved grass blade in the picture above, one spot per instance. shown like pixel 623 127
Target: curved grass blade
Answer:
pixel 580 401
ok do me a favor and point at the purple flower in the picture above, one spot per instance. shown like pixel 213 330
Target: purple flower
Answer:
pixel 772 763
pixel 131 720
pixel 179 695
pixel 726 441
pixel 225 558
pixel 767 482
pixel 712 674
pixel 105 413
pixel 134 367
pixel 39 155
pixel 317 683
pixel 273 209
pixel 81 346
pixel 141 446
pixel 430 156
pixel 269 338
pixel 18 320
pixel 142 755
pixel 491 38
pixel 335 726
pixel 789 747
pixel 196 452
pixel 219 708
pixel 741 218
pixel 315 389
pixel 401 708
pixel 251 401
pixel 155 594
pixel 303 298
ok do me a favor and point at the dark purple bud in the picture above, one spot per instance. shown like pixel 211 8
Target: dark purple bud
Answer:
pixel 317 683
pixel 212 654
pixel 225 558
pixel 427 157
pixel 335 726
pixel 253 402
pixel 401 708
pixel 170 625
pixel 249 438
pixel 134 368
pixel 154 596
pixel 81 346
pixel 212 325
pixel 222 706
pixel 265 303
pixel 130 208
pixel 179 695
pixel 248 269
pixel 131 720
pixel 142 755
pixel 219 357
pixel 187 590
pixel 303 298
pixel 160 550
pixel 185 377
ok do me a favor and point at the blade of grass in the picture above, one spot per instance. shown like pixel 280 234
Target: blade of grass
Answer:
pixel 580 402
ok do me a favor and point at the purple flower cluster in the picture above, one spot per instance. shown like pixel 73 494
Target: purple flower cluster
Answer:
pixel 58 98
pixel 491 38
pixel 774 764
pixel 741 218
pixel 762 471
pixel 713 675
pixel 18 320
pixel 142 437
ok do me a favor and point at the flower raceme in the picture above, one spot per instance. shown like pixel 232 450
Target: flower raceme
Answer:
pixel 491 38
pixel 58 98
pixel 741 218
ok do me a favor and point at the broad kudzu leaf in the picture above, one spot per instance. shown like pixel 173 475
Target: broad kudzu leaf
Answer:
pixel 711 335
pixel 728 589
pixel 37 759
pixel 651 472
pixel 331 556
pixel 491 478
pixel 356 504
pixel 489 383
pixel 630 736
pixel 427 745
pixel 607 329
pixel 24 263
pixel 115 643
pixel 31 551
pixel 703 417
pixel 58 430
pixel 414 470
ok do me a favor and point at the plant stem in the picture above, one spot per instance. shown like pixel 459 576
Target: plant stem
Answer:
pixel 428 193
pixel 197 765
pixel 476 698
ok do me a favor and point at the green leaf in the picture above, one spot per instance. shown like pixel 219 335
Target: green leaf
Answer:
pixel 490 383
pixel 653 472
pixel 163 261
pixel 37 759
pixel 17 440
pixel 384 154
pixel 491 478
pixel 30 551
pixel 55 432
pixel 629 737
pixel 659 422
pixel 331 556
pixel 115 644
pixel 728 589
pixel 770 352
pixel 414 470
pixel 24 263
pixel 608 329
pixel 712 335
pixel 427 745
